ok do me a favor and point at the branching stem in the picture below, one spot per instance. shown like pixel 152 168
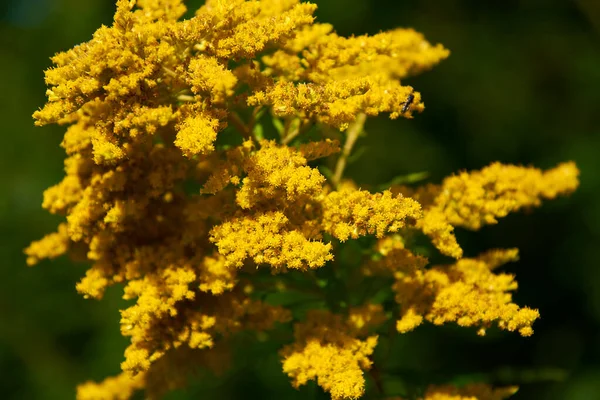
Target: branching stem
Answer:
pixel 351 135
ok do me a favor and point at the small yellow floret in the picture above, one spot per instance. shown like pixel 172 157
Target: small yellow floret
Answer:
pixel 196 135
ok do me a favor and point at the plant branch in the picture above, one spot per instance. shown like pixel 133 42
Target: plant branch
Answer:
pixel 374 372
pixel 351 135
pixel 237 122
pixel 252 122
pixel 297 130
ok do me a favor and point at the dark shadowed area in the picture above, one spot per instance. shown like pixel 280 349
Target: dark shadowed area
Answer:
pixel 522 85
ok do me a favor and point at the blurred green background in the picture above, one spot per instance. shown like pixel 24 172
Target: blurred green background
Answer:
pixel 522 85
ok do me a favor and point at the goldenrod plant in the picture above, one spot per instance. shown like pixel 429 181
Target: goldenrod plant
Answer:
pixel 205 171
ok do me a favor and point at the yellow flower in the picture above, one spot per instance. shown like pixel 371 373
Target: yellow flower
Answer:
pixel 196 135
pixel 467 293
pixel 51 246
pixel 469 392
pixel 277 173
pixel 350 213
pixel 327 350
pixel 120 387
pixel 474 199
pixel 171 190
pixel 268 239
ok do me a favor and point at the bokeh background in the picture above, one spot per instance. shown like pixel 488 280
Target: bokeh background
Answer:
pixel 522 85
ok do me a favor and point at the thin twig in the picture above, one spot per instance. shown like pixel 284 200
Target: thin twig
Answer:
pixel 374 372
pixel 351 135
pixel 252 122
pixel 239 124
pixel 299 130
pixel 290 134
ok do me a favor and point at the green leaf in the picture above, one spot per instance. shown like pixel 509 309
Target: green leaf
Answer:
pixel 278 125
pixel 258 115
pixel 258 132
pixel 404 179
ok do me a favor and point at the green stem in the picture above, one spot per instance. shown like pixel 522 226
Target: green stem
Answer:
pixel 351 135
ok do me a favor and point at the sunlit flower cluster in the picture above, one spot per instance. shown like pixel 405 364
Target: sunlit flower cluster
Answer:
pixel 197 157
pixel 469 392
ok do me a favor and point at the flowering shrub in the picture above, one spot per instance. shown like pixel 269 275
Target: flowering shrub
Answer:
pixel 203 151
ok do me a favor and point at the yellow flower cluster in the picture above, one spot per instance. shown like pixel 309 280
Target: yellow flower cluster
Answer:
pixel 478 391
pixel 467 293
pixel 474 199
pixel 120 387
pixel 329 349
pixel 350 213
pixel 469 392
pixel 174 191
